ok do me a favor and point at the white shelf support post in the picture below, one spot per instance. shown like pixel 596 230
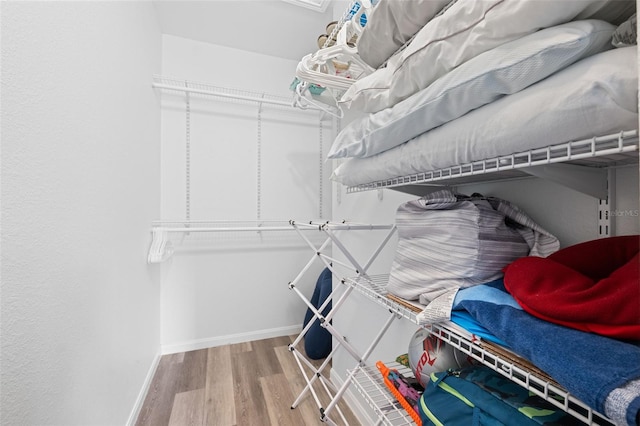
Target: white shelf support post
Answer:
pixel 606 218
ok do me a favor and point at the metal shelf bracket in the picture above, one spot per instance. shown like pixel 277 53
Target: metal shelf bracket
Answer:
pixel 587 180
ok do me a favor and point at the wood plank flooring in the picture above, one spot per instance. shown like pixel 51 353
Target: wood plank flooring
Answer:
pixel 245 384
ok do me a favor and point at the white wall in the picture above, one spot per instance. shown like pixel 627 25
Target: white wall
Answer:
pixel 232 287
pixel 80 187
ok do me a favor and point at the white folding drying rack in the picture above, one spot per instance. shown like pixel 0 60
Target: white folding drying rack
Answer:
pixel 322 252
pixel 363 376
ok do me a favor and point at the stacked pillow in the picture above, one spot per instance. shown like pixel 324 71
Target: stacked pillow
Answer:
pixel 391 24
pixel 501 71
pixel 465 30
pixel 599 96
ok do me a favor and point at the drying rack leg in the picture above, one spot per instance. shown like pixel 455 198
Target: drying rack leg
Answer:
pixel 360 270
pixel 310 381
pixel 300 359
pixel 325 322
pixel 328 387
pixel 311 261
pixel 311 374
pixel 292 347
pixel 360 363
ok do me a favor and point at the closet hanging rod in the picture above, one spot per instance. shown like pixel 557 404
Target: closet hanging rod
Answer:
pixel 305 227
pixel 222 226
pixel 183 86
pixel 339 226
pixel 224 95
pixel 227 229
pixel 162 249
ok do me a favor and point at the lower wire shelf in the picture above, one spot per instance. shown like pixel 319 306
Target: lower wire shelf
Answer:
pixel 499 359
pixel 369 383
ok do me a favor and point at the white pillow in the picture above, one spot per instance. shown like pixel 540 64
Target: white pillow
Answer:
pixel 391 24
pixel 504 70
pixel 463 31
pixel 595 96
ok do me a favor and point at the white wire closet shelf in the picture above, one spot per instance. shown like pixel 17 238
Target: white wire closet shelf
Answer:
pixel 369 383
pixel 592 154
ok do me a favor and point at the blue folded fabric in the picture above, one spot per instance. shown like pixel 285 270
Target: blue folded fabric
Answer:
pixel 588 365
pixel 481 292
pixel 469 323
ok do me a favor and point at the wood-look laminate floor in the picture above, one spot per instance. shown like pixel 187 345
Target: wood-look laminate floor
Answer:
pixel 245 384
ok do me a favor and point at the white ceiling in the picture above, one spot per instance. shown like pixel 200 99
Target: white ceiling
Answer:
pixel 272 27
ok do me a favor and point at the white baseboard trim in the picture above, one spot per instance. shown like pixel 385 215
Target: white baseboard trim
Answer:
pixel 143 392
pixel 229 339
pixel 354 403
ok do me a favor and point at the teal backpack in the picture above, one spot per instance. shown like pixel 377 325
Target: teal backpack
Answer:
pixel 480 396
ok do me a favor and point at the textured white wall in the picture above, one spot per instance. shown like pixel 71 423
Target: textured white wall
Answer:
pixel 233 287
pixel 80 187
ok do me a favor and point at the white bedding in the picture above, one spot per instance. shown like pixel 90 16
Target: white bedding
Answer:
pixel 392 24
pixel 501 71
pixel 465 30
pixel 596 96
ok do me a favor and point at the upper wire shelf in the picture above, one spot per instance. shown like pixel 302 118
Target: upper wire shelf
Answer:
pixel 598 152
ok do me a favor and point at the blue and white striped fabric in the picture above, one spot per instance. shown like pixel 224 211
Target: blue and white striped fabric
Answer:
pixel 448 241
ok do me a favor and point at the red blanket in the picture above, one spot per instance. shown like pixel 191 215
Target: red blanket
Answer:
pixel 592 286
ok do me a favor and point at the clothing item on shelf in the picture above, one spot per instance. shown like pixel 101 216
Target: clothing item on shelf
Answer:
pixel 593 286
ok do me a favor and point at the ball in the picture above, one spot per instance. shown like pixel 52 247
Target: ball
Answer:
pixel 428 354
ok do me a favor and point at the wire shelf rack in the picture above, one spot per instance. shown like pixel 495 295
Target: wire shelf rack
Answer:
pixel 369 383
pixel 598 152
